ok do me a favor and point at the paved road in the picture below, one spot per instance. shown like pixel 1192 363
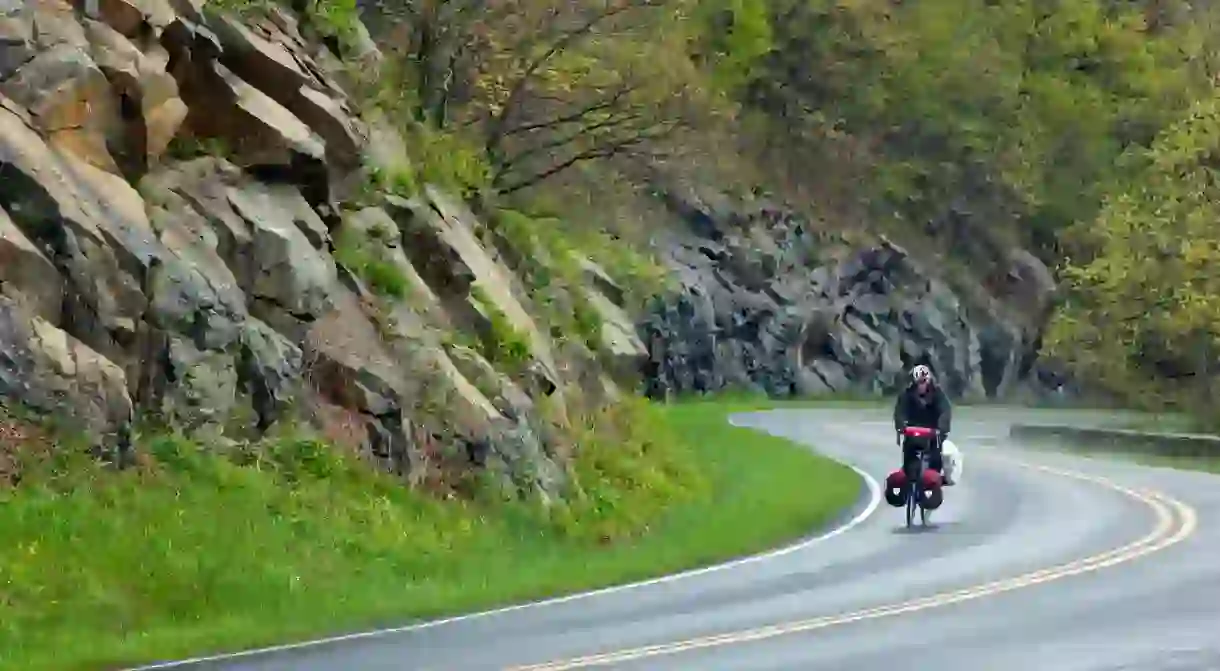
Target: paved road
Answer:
pixel 1138 584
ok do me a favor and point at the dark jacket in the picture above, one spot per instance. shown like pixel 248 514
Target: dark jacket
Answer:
pixel 911 410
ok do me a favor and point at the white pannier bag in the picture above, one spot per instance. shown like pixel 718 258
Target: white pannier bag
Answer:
pixel 952 462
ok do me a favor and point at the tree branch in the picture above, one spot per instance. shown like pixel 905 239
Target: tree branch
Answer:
pixel 496 131
pixel 604 103
pixel 590 131
pixel 602 152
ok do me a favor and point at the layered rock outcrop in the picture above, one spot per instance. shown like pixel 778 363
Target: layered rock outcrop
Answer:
pixel 171 189
pixel 767 303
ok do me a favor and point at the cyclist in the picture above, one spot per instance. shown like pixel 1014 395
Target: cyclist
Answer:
pixel 923 403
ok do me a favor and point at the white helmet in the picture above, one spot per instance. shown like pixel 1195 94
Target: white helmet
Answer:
pixel 921 373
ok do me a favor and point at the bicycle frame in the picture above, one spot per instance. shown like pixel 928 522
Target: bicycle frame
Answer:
pixel 913 470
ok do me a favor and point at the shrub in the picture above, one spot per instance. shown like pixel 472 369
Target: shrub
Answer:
pixel 364 253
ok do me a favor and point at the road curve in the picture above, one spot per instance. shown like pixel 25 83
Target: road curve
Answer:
pixel 1036 560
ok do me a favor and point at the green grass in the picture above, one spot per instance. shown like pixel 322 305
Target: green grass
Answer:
pixel 195 553
pixel 1208 463
pixel 1163 422
pixel 501 342
pixel 363 254
pixel 1202 459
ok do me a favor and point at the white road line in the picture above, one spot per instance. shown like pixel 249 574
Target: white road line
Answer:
pixel 874 500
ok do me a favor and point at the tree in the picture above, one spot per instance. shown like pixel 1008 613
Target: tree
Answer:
pixel 1005 116
pixel 606 84
pixel 441 43
pixel 548 84
pixel 1143 308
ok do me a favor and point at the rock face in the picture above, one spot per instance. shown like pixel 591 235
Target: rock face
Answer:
pixel 763 305
pixel 51 371
pixel 143 277
pixel 439 234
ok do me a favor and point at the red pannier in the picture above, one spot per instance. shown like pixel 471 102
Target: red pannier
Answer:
pixel 895 489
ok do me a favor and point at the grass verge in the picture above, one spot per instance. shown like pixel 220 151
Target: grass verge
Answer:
pixel 1186 457
pixel 1208 463
pixel 194 553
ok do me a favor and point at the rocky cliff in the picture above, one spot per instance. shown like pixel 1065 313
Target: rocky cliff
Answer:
pixel 188 236
pixel 193 234
pixel 766 302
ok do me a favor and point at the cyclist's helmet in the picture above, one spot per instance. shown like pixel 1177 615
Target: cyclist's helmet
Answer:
pixel 921 374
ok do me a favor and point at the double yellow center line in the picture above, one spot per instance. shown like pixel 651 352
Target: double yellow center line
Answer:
pixel 1175 522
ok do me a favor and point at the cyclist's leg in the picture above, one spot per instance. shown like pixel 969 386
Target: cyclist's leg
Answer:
pixel 910 455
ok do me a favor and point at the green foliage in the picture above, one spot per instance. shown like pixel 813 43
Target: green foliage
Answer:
pixel 550 265
pixel 536 88
pixel 334 18
pixel 1015 111
pixel 339 19
pixel 1069 127
pixel 447 159
pixel 364 253
pixel 629 467
pixel 582 320
pixel 500 341
pixel 587 320
pixel 400 181
pixel 608 218
pixel 736 35
pixel 641 274
pixel 1143 308
pixel 593 225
